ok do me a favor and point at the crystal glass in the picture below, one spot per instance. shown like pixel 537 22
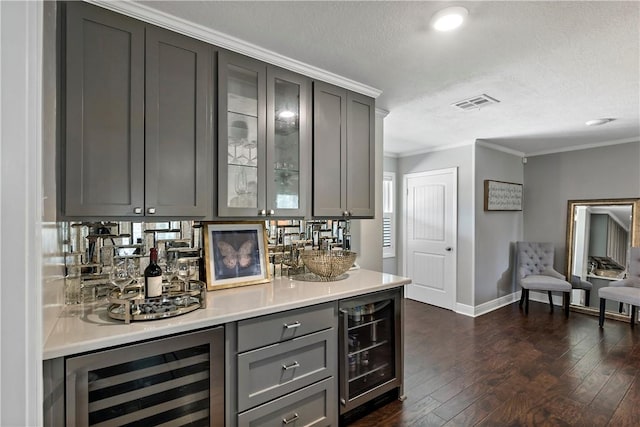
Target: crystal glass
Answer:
pixel 120 274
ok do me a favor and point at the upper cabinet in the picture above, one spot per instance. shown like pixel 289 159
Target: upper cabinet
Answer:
pixel 138 118
pixel 343 153
pixel 263 139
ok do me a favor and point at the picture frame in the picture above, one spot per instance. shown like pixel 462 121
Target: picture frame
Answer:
pixel 236 254
pixel 502 196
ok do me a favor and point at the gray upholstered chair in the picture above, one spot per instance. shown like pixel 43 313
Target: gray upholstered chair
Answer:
pixel 625 291
pixel 534 271
pixel 578 283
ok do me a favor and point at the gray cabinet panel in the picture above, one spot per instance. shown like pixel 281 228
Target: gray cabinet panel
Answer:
pixel 360 155
pixel 313 406
pixel 273 371
pixel 104 112
pixel 266 330
pixel 178 158
pixel 329 150
pixel 343 153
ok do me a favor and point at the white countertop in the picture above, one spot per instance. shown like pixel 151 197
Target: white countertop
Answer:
pixel 87 327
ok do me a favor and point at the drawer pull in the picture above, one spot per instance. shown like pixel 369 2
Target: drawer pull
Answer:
pixel 290 420
pixel 292 366
pixel 293 325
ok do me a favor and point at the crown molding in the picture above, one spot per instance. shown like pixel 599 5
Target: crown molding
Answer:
pixel 497 147
pixel 381 112
pixel 142 12
pixel 585 146
pixel 433 149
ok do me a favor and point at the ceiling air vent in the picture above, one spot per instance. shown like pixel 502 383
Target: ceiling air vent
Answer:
pixel 475 102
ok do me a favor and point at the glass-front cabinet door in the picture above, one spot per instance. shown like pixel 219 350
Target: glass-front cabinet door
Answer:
pixel 241 141
pixel 263 140
pixel 288 142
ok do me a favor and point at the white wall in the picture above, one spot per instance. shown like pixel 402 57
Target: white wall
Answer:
pixel 20 213
pixel 462 158
pixel 496 232
pixel 551 180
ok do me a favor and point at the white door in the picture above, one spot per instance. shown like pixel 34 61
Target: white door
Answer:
pixel 430 236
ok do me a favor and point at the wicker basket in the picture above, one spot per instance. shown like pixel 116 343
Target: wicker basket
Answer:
pixel 328 264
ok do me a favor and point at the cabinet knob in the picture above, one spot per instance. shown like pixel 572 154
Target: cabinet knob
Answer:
pixel 137 211
pixel 272 212
pixel 151 210
pixel 345 213
pixel 262 212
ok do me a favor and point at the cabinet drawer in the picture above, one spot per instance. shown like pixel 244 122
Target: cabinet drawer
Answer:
pixel 265 330
pixel 311 406
pixel 273 371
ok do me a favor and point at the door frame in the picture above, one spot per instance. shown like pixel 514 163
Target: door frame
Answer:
pixel 405 213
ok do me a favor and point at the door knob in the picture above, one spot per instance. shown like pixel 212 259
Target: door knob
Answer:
pixel 151 210
pixel 272 212
pixel 448 249
pixel 137 211
pixel 262 212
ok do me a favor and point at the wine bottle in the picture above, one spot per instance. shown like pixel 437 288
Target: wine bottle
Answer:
pixel 153 276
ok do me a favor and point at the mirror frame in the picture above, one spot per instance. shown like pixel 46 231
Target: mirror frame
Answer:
pixel 634 229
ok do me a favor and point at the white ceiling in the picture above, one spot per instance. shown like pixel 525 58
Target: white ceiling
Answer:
pixel 552 65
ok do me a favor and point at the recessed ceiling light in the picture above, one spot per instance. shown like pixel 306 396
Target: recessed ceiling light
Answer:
pixel 598 122
pixel 449 19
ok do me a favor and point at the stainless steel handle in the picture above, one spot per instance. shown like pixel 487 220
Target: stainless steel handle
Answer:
pixel 262 212
pixel 272 212
pixel 345 213
pixel 137 211
pixel 151 210
pixel 293 325
pixel 294 365
pixel 290 420
pixel 448 249
pixel 343 402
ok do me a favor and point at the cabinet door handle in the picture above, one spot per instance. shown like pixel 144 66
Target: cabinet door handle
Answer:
pixel 294 365
pixel 345 213
pixel 262 212
pixel 272 212
pixel 293 325
pixel 137 211
pixel 290 420
pixel 151 210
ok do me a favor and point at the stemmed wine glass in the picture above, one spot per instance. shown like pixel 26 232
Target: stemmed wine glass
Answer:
pixel 120 274
pixel 186 271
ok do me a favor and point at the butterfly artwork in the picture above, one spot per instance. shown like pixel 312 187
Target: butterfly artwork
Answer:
pixel 233 258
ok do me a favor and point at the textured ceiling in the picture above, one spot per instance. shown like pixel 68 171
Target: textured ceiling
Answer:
pixel 552 65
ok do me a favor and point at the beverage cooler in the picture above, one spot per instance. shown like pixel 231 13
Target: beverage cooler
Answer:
pixel 370 347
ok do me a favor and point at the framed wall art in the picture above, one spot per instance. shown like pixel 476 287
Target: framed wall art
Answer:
pixel 502 196
pixel 235 254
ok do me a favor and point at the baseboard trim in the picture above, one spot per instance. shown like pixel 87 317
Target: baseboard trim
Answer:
pixel 488 306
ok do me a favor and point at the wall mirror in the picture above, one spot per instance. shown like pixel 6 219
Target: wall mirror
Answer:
pixel 599 235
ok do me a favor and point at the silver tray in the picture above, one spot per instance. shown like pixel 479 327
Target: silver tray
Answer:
pixel 131 304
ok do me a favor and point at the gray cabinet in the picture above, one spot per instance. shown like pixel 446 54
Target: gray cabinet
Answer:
pixel 286 368
pixel 172 380
pixel 263 139
pixel 343 153
pixel 138 127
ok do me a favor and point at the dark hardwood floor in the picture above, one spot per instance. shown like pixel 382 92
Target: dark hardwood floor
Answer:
pixel 508 369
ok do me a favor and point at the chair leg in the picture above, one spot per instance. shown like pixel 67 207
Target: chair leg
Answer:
pixel 550 300
pixel 526 301
pixel 566 299
pixel 603 303
pixel 587 294
pixel 633 315
pixel 620 307
pixel 522 297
